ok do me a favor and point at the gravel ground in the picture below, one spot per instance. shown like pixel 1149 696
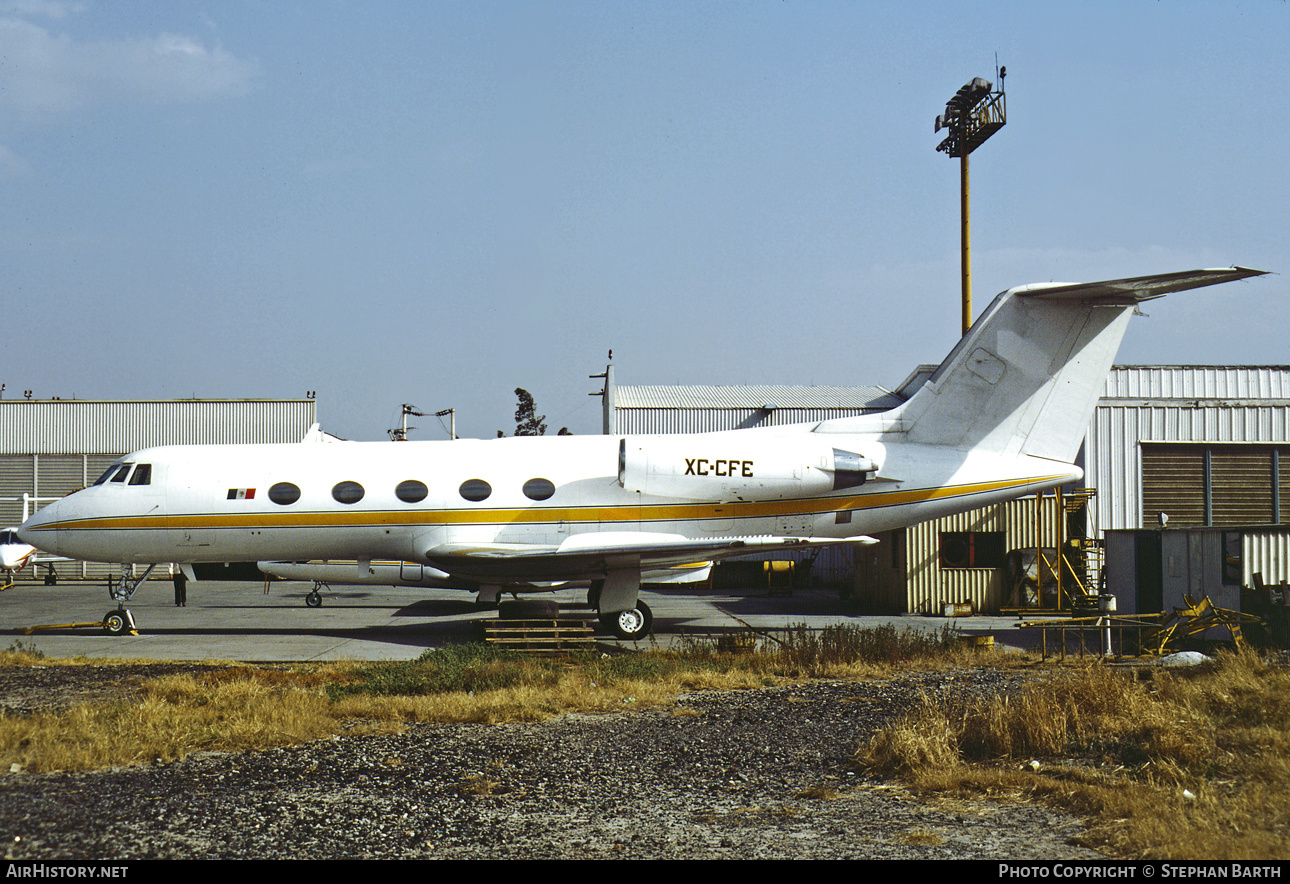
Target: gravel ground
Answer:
pixel 749 774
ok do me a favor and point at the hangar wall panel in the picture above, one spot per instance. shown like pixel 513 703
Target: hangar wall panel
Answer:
pixel 649 410
pixel 656 421
pixel 1198 382
pixel 17 474
pixel 102 427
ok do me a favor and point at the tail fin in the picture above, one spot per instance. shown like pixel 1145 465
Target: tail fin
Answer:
pixel 1026 377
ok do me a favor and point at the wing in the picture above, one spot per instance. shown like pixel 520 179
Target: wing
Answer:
pixel 593 556
pixel 1137 288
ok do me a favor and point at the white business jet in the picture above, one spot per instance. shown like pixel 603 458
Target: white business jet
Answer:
pixel 14 554
pixel 1002 417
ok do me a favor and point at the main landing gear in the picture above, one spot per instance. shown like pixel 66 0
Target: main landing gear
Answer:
pixel 120 621
pixel 631 625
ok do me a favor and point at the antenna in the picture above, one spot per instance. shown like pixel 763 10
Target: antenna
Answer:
pixel 401 434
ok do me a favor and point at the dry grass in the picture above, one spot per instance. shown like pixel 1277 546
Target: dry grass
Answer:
pixel 1177 764
pixel 573 692
pixel 239 707
pixel 173 717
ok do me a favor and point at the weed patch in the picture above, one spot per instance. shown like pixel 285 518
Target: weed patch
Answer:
pixel 1189 764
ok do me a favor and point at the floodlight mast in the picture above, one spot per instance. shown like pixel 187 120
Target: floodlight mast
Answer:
pixel 971 116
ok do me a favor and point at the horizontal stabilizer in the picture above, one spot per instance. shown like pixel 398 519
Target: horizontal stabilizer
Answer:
pixel 1138 288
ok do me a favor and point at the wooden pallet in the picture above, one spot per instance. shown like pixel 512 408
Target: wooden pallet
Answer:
pixel 551 637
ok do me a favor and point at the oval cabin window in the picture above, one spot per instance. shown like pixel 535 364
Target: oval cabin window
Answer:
pixel 347 492
pixel 539 489
pixel 284 493
pixel 411 491
pixel 475 489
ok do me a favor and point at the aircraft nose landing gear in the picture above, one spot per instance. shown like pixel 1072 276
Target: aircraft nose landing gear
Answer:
pixel 121 621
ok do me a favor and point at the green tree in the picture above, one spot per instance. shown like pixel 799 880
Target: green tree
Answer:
pixel 527 421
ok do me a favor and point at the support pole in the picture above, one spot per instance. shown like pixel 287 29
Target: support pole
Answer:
pixel 966 235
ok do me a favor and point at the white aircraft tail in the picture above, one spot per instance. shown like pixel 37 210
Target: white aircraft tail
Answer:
pixel 1026 377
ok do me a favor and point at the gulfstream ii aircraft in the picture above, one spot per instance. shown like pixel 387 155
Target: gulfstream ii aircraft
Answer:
pixel 1003 416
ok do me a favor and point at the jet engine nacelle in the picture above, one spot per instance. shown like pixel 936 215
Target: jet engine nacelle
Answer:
pixel 733 467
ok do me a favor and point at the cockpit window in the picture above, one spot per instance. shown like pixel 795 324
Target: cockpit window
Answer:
pixel 142 475
pixel 107 474
pixel 122 472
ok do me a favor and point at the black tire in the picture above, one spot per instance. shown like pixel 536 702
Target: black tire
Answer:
pixel 314 599
pixel 116 623
pixel 631 625
pixel 529 609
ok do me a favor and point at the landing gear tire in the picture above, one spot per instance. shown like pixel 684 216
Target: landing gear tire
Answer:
pixel 630 625
pixel 116 623
pixel 314 599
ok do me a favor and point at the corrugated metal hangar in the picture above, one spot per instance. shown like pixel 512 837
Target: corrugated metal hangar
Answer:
pixel 51 447
pixel 1190 446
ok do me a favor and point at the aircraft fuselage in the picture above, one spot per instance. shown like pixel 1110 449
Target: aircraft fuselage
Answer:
pixel 396 500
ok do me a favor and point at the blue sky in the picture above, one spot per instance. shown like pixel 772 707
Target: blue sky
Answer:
pixel 436 203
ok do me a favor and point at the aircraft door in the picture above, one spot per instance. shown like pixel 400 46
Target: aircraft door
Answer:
pixel 188 498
